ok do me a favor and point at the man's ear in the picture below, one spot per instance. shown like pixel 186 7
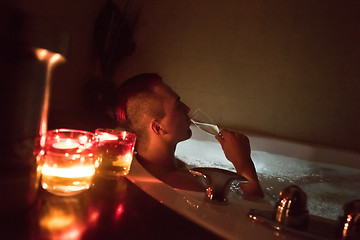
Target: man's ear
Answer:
pixel 157 128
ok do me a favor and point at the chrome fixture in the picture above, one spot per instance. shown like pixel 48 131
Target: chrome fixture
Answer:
pixel 291 215
pixel 217 182
pixel 291 208
pixel 349 223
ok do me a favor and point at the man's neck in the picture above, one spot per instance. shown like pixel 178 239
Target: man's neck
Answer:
pixel 159 156
pixel 160 161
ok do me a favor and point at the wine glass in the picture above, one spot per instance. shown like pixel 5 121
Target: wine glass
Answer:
pixel 204 122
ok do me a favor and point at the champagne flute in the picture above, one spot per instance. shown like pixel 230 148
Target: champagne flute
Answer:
pixel 204 122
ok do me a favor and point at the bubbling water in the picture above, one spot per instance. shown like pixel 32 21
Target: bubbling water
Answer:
pixel 327 186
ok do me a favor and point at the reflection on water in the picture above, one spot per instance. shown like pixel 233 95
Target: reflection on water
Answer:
pixel 327 186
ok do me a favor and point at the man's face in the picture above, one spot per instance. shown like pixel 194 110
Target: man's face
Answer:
pixel 176 122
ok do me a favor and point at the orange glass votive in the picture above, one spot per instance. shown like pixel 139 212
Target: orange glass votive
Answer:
pixel 114 151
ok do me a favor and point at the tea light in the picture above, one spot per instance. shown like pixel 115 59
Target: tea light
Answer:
pixel 68 144
pixel 67 172
pixel 114 151
pixel 107 137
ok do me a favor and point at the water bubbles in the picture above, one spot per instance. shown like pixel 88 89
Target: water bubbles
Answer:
pixel 327 186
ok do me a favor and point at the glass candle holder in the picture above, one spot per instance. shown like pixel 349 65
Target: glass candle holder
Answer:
pixel 68 162
pixel 114 151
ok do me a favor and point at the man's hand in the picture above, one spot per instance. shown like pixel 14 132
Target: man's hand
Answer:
pixel 236 147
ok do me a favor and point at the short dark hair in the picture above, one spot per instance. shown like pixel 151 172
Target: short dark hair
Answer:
pixel 136 102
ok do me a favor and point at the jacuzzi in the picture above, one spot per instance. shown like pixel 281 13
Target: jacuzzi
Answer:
pixel 329 177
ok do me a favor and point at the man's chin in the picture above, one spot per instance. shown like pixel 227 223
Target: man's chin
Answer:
pixel 188 135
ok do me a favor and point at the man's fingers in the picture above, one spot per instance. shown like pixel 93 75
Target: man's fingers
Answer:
pixel 220 138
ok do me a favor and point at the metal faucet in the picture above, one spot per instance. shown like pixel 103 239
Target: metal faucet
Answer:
pixel 290 213
pixel 291 209
pixel 217 182
pixel 349 223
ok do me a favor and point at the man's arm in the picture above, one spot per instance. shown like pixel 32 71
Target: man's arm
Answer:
pixel 237 150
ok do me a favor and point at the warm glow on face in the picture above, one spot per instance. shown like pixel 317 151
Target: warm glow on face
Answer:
pixel 71 172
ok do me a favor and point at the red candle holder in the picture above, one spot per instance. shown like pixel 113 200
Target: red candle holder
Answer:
pixel 114 151
pixel 68 164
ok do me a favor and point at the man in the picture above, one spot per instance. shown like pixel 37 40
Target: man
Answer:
pixel 155 113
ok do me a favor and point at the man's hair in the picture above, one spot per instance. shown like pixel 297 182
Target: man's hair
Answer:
pixel 137 103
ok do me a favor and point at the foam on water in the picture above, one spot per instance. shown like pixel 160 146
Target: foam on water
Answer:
pixel 327 186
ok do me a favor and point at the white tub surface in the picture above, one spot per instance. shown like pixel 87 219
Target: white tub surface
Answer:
pixel 330 177
pixel 230 221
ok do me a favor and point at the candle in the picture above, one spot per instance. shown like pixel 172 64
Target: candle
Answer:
pixel 108 137
pixel 68 144
pixel 69 165
pixel 114 151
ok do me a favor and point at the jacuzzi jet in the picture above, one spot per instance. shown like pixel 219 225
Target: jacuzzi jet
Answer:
pixel 291 209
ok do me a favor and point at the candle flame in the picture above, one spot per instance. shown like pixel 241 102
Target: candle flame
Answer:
pixel 108 137
pixel 68 144
pixel 123 135
pixel 83 139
